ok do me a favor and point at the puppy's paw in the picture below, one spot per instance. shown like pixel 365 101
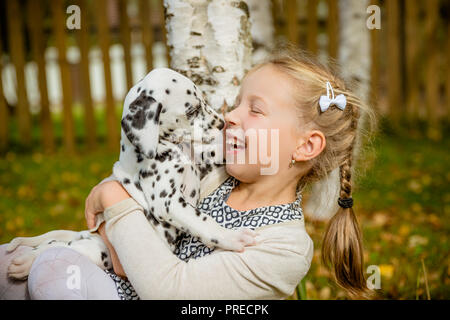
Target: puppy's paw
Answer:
pixel 20 266
pixel 234 240
pixel 14 244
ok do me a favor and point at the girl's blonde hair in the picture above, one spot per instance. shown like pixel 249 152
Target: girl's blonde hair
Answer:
pixel 343 129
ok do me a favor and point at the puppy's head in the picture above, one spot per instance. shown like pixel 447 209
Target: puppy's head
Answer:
pixel 167 105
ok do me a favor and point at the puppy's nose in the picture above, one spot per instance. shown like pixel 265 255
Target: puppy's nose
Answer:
pixel 221 124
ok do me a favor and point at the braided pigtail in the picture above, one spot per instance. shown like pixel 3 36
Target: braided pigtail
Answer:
pixel 342 243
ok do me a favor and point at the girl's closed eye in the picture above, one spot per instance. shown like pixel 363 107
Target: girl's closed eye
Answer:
pixel 255 110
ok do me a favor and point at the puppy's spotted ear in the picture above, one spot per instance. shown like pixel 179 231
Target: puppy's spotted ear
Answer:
pixel 140 121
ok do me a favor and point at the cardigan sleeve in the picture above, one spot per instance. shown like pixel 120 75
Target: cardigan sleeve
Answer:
pixel 271 269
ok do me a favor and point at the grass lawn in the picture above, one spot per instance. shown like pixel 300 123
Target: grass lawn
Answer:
pixel 402 203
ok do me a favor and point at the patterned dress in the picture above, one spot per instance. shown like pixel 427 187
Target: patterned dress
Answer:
pixel 190 247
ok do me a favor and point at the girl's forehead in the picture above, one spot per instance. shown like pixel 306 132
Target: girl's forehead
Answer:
pixel 270 84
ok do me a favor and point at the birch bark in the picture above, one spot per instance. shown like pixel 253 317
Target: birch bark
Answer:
pixel 262 28
pixel 210 43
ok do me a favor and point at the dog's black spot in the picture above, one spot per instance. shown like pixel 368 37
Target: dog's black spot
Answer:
pixel 167 91
pixel 153 219
pixel 138 185
pixel 150 115
pixel 180 170
pixel 104 255
pixel 146 174
pixel 69 243
pixel 123 148
pixel 193 193
pixel 169 238
pixel 166 171
pixel 138 89
pixel 139 119
pixel 126 181
pixel 188 91
pixel 153 166
pixel 153 197
pixel 106 264
pixel 52 241
pixel 215 241
pixel 141 102
pixel 163 194
pixel 166 225
pixel 204 218
pixel 187 104
pixel 197 212
pixel 174 80
pixel 125 127
pixel 158 177
pixel 158 112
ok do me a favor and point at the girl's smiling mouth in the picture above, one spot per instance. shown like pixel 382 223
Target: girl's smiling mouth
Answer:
pixel 234 144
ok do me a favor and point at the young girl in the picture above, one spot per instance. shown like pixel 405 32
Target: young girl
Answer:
pixel 316 117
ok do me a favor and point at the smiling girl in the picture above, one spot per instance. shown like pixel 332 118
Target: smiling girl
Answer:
pixel 281 95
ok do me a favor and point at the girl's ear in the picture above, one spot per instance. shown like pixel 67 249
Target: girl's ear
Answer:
pixel 309 146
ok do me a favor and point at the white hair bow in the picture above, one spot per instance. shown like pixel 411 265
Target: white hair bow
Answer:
pixel 326 101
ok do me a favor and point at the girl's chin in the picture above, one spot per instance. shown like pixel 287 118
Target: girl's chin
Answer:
pixel 240 171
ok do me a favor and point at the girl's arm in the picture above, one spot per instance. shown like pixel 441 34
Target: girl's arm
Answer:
pixel 117 266
pixel 269 270
pixel 96 201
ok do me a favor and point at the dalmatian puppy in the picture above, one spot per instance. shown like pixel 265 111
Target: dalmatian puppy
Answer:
pixel 169 139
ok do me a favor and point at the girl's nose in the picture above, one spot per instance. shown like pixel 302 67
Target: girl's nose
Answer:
pixel 231 119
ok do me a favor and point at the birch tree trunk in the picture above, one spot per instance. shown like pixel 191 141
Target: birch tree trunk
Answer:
pixel 354 58
pixel 262 28
pixel 210 43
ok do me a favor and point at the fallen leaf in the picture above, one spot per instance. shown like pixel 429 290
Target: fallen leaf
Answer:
pixel 417 240
pixel 386 270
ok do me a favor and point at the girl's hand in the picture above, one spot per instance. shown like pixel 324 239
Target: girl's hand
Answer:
pixel 101 197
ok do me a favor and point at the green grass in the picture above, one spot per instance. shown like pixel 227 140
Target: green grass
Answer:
pixel 402 203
